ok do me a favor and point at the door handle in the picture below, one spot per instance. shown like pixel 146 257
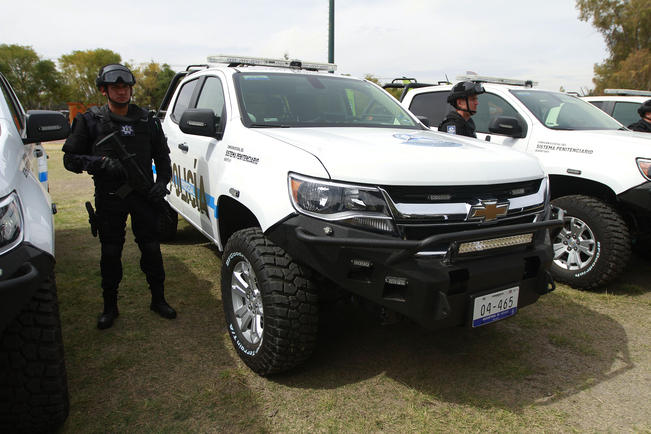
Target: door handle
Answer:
pixel 183 147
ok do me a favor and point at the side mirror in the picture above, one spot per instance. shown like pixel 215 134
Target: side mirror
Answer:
pixel 200 122
pixel 508 126
pixel 44 126
pixel 424 120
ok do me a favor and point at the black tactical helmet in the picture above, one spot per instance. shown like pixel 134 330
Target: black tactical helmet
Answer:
pixel 644 108
pixel 464 89
pixel 114 73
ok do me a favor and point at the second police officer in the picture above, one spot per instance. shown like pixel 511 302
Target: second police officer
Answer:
pixel 142 136
pixel 463 97
pixel 644 124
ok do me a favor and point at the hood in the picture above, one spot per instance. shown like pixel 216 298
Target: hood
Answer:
pixel 408 157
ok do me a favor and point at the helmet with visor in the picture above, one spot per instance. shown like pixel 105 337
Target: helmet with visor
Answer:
pixel 113 74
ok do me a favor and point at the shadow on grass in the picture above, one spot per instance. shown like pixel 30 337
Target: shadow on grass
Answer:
pixel 635 279
pixel 146 373
pixel 548 351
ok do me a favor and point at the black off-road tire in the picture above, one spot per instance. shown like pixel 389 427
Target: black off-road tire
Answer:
pixel 168 224
pixel 282 295
pixel 33 382
pixel 601 227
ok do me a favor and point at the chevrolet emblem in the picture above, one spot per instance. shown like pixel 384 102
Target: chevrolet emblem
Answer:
pixel 488 210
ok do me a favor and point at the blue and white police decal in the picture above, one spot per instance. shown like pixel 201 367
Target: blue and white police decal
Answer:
pixel 126 130
pixel 452 129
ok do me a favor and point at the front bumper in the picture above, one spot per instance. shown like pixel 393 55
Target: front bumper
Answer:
pixel 638 198
pixel 22 271
pixel 433 290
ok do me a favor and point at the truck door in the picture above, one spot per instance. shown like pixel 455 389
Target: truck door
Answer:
pixel 182 191
pixel 204 159
pixel 492 106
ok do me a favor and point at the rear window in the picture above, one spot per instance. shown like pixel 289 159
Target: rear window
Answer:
pixel 626 112
pixel 432 105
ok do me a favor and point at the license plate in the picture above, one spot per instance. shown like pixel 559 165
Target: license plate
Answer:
pixel 495 306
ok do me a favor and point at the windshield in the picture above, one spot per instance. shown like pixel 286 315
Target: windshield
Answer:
pixel 308 100
pixel 559 111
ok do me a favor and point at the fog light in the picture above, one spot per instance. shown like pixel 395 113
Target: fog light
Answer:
pixel 495 243
pixel 392 280
pixel 361 263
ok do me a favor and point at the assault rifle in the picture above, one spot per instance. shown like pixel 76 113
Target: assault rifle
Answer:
pixel 137 180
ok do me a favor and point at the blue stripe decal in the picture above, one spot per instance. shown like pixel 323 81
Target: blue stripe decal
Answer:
pixel 42 176
pixel 190 189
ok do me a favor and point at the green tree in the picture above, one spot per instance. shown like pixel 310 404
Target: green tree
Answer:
pixel 79 70
pixel 626 27
pixel 152 81
pixel 36 82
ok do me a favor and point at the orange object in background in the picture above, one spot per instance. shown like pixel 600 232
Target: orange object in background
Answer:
pixel 76 107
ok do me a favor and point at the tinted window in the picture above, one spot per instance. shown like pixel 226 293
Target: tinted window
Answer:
pixel 432 105
pixel 598 104
pixel 490 107
pixel 183 100
pixel 212 96
pixel 626 112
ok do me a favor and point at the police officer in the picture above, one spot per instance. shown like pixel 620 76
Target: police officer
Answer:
pixel 463 97
pixel 644 124
pixel 141 134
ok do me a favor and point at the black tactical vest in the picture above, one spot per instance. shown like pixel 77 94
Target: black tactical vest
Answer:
pixel 134 130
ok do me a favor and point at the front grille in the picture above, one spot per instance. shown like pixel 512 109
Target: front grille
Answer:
pixel 422 231
pixel 463 193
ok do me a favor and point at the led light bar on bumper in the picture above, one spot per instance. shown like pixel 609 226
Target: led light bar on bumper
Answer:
pixel 494 243
pixel 354 205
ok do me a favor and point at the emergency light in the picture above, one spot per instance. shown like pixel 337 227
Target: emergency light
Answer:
pixel 264 61
pixel 627 92
pixel 498 80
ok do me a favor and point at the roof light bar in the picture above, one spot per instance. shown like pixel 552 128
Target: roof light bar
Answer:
pixel 265 61
pixel 627 92
pixel 498 80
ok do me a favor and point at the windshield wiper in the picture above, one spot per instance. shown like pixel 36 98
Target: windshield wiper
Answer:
pixel 269 126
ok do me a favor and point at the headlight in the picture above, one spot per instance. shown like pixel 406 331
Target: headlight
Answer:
pixel 11 223
pixel 348 204
pixel 644 164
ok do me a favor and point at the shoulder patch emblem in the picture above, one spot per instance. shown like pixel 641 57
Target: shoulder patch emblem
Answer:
pixel 452 129
pixel 126 130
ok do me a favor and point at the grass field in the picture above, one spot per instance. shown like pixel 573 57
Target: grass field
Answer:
pixel 574 361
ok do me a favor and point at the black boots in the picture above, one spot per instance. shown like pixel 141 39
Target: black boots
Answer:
pixel 160 306
pixel 110 313
pixel 107 317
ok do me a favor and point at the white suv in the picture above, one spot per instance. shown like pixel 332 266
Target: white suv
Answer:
pixel 33 386
pixel 599 172
pixel 310 181
pixel 622 104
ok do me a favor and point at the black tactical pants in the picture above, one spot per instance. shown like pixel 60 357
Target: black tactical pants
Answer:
pixel 112 212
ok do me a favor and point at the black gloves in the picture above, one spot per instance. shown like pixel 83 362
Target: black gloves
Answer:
pixel 73 163
pixel 113 168
pixel 158 191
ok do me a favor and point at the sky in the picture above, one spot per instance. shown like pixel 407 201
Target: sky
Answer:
pixel 429 40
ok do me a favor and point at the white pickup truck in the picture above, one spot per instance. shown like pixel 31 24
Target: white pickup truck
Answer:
pixel 308 180
pixel 33 384
pixel 599 171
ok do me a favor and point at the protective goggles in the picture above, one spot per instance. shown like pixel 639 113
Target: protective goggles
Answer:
pixel 116 75
pixel 473 88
